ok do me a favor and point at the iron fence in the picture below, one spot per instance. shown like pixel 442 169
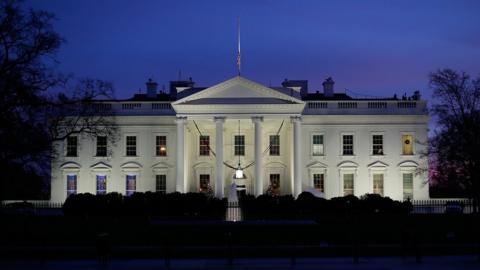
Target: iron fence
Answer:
pixel 441 206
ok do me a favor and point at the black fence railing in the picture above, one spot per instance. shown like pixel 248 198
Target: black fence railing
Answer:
pixel 441 206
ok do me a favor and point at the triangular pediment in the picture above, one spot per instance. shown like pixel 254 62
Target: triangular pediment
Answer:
pixel 377 164
pixel 237 90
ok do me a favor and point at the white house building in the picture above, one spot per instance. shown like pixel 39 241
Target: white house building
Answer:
pixel 284 140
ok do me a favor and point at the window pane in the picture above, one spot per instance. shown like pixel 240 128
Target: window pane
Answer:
pixel 378 184
pixel 274 188
pixel 348 184
pixel 205 183
pixel 101 146
pixel 161 145
pixel 274 145
pixel 239 145
pixel 161 183
pixel 377 143
pixel 101 184
pixel 347 144
pixel 131 184
pixel 407 144
pixel 72 143
pixel 317 142
pixel 318 182
pixel 71 184
pixel 131 145
pixel 204 145
pixel 408 186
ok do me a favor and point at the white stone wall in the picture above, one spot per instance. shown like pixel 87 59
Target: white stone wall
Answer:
pixel 333 163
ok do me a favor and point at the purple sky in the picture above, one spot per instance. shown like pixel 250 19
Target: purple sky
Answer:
pixel 370 47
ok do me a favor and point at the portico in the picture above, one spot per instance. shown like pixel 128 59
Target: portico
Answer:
pixel 241 120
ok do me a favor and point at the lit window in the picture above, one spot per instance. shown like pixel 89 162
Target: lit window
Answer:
pixel 348 184
pixel 239 145
pixel 408 186
pixel 131 144
pixel 317 142
pixel 407 144
pixel 101 146
pixel 274 145
pixel 204 145
pixel 161 183
pixel 347 145
pixel 101 184
pixel 274 184
pixel 71 184
pixel 131 184
pixel 318 182
pixel 377 144
pixel 378 183
pixel 161 145
pixel 204 182
pixel 72 145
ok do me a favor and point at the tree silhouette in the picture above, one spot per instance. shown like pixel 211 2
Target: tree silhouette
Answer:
pixel 38 106
pixel 455 146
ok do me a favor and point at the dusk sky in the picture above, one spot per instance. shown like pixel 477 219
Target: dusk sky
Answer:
pixel 370 47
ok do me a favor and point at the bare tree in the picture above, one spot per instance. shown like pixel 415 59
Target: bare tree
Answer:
pixel 31 116
pixel 455 146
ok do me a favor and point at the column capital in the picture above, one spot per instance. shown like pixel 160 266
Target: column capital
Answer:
pixel 295 119
pixel 181 119
pixel 219 119
pixel 257 119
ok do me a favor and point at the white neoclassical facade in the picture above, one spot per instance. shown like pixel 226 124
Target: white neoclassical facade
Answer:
pixel 284 139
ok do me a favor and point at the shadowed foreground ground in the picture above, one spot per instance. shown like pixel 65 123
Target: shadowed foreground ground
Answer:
pixel 443 262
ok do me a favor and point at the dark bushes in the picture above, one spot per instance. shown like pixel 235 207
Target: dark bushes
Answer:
pixel 174 205
pixel 307 206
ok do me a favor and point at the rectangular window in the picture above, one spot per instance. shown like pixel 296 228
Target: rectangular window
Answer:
pixel 161 145
pixel 131 185
pixel 101 146
pixel 407 144
pixel 204 145
pixel 72 145
pixel 377 144
pixel 347 144
pixel 71 184
pixel 378 183
pixel 274 188
pixel 161 183
pixel 408 186
pixel 204 182
pixel 348 184
pixel 239 145
pixel 318 182
pixel 274 145
pixel 101 184
pixel 131 144
pixel 317 143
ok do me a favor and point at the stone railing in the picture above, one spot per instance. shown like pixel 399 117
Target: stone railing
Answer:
pixel 366 107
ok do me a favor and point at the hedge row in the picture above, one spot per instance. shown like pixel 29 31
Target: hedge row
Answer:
pixel 174 205
pixel 198 205
pixel 307 206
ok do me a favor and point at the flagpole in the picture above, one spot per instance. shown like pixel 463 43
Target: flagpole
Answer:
pixel 239 59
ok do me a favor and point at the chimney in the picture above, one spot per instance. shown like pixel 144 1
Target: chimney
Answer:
pixel 328 87
pixel 151 89
pixel 416 95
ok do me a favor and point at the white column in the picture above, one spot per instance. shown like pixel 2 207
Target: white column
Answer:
pixel 297 154
pixel 258 187
pixel 180 181
pixel 220 173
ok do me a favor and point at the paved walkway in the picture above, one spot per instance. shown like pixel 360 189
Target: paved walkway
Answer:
pixel 375 263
